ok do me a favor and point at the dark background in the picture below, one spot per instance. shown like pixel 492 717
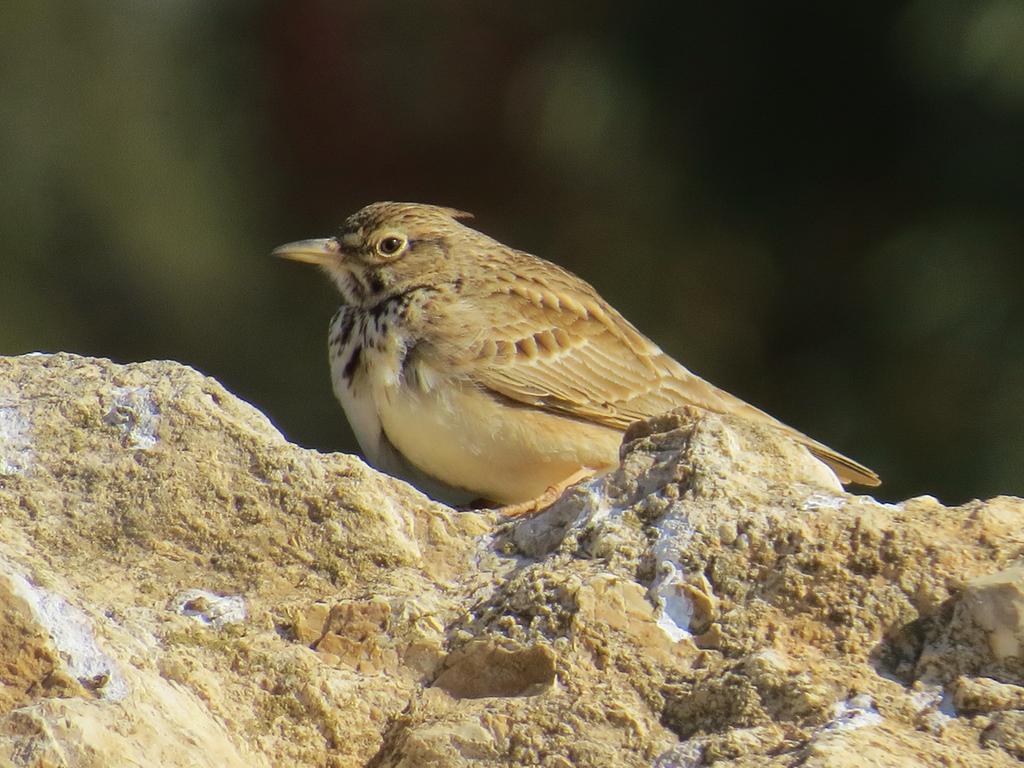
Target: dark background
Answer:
pixel 816 206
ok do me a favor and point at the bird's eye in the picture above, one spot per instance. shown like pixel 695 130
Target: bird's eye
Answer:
pixel 390 245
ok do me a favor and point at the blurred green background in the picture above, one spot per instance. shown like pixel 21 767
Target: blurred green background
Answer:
pixel 819 207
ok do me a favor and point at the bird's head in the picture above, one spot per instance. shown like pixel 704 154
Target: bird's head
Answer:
pixel 384 250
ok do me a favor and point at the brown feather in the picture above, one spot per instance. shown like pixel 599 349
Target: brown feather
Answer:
pixel 600 368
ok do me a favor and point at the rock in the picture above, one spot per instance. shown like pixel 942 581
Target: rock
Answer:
pixel 982 632
pixel 485 668
pixel 182 586
pixel 983 694
pixel 160 541
pixel 996 603
pixel 1006 731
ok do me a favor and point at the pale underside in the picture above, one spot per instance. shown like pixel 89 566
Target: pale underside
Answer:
pixel 457 442
pixel 519 380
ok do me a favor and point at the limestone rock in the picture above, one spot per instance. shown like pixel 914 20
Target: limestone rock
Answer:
pixel 182 586
pixel 996 604
pixel 165 550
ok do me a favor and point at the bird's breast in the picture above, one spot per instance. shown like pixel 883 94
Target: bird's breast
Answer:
pixel 360 351
pixel 445 425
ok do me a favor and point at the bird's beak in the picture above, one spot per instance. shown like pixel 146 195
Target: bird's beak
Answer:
pixel 320 251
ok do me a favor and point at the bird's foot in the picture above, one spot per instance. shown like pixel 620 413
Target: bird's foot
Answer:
pixel 546 499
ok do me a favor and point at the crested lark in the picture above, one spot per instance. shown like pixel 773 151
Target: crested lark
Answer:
pixel 478 371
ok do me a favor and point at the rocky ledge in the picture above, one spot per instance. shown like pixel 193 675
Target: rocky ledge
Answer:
pixel 183 587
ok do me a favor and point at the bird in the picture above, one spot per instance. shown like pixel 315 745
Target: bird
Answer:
pixel 479 372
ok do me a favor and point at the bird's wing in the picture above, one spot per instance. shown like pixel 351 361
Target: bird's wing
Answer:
pixel 549 341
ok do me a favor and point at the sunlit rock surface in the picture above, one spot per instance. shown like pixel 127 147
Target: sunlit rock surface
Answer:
pixel 183 587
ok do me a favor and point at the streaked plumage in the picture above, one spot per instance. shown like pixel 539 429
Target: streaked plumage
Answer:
pixel 476 370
